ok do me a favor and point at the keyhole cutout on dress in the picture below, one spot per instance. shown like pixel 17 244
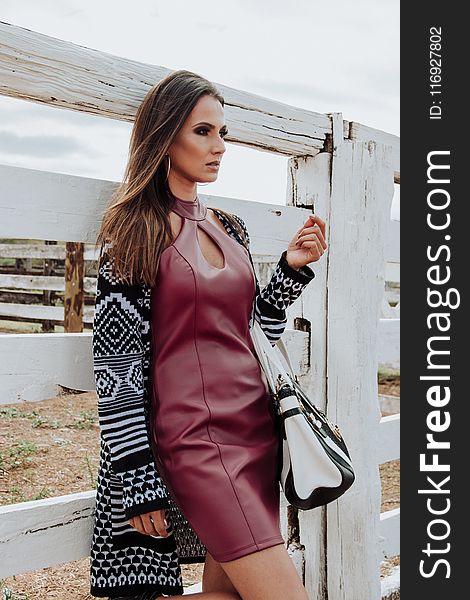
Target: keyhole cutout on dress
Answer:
pixel 210 249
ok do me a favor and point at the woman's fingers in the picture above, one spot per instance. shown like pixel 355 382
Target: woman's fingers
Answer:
pixel 159 521
pixel 148 524
pixel 151 523
pixel 321 224
pixel 315 228
pixel 314 244
pixel 136 522
pixel 316 231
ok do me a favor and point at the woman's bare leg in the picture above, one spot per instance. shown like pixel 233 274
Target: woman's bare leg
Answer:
pixel 268 574
pixel 216 584
pixel 214 578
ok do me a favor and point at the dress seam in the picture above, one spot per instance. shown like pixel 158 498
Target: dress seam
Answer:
pixel 208 407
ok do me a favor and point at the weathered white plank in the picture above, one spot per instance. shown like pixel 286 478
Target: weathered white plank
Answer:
pixel 70 208
pixel 62 524
pixel 392 272
pixel 193 589
pixel 392 242
pixel 39 312
pixel 390 532
pixel 52 359
pixel 387 311
pixel 362 192
pixel 100 83
pixel 388 447
pixel 56 251
pixel 297 344
pixel 308 183
pixel 45 533
pixel 42 205
pixel 363 133
pixel 388 403
pixel 283 516
pixel 32 366
pixel 396 311
pixel 392 295
pixel 43 282
pixel 389 343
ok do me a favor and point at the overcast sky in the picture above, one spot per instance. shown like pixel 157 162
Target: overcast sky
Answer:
pixel 337 56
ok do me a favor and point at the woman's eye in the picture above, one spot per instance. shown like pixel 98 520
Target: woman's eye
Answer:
pixel 205 130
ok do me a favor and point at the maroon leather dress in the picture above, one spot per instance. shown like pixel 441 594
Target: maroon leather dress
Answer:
pixel 213 428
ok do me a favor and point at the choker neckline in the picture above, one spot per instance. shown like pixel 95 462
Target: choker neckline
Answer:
pixel 189 209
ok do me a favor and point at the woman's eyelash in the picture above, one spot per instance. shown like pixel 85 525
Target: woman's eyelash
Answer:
pixel 223 133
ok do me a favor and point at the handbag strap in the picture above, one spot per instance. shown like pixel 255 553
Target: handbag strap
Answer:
pixel 270 357
pixel 283 348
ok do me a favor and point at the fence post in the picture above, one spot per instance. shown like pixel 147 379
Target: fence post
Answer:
pixel 309 187
pixel 73 297
pixel 361 195
pixel 350 186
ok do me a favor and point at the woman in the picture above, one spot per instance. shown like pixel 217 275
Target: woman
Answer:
pixel 189 441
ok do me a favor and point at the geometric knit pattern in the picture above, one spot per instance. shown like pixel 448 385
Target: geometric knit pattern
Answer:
pixel 122 568
pixel 122 560
pixel 282 290
pixel 139 486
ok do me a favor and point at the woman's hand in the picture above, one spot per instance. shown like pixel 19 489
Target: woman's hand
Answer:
pixel 151 523
pixel 308 243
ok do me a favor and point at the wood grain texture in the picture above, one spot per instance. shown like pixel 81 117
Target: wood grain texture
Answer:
pixel 389 435
pixel 390 533
pixel 34 365
pixel 308 186
pixel 73 296
pixel 41 282
pixel 363 133
pixel 359 213
pixel 54 72
pixel 41 533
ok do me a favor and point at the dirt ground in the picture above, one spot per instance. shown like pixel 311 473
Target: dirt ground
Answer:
pixel 50 448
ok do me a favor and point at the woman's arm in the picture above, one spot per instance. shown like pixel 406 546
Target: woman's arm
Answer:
pixel 284 287
pixel 118 355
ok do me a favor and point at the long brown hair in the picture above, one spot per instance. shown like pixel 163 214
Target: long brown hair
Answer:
pixel 136 227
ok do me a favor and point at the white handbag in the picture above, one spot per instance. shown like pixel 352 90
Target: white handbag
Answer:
pixel 315 466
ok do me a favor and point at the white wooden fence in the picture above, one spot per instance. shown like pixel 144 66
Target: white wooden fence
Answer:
pixel 343 170
pixel 19 284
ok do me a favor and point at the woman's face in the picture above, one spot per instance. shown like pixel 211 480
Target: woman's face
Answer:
pixel 198 143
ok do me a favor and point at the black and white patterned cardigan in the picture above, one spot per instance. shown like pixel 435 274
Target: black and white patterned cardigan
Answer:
pixel 122 560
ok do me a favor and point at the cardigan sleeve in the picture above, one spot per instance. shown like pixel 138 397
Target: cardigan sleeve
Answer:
pixel 284 287
pixel 118 355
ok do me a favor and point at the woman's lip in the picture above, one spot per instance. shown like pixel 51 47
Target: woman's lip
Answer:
pixel 216 162
pixel 213 166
